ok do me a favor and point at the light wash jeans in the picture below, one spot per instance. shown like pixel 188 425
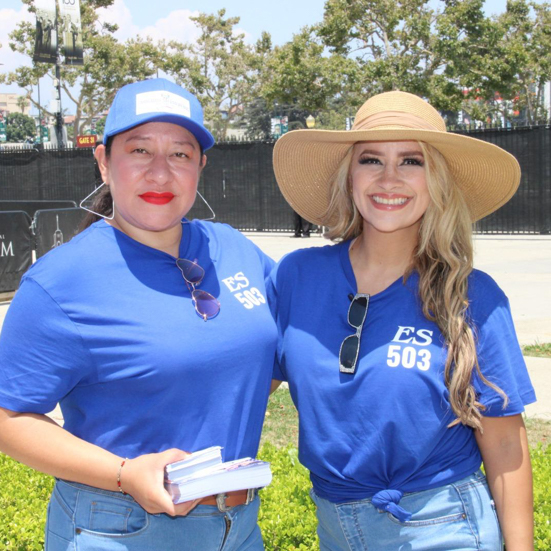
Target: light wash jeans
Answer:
pixel 458 516
pixel 82 518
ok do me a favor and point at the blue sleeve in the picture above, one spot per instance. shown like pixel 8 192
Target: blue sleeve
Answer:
pixel 267 262
pixel 500 356
pixel 271 291
pixel 42 356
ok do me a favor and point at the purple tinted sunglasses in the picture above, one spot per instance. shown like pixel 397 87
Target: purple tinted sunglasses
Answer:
pixel 205 304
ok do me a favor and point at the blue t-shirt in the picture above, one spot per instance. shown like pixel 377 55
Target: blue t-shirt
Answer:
pixel 386 427
pixel 105 326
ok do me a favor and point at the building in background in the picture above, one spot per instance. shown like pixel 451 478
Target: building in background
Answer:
pixel 14 103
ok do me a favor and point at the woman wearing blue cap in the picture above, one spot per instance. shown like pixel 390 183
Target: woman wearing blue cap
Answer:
pixel 153 334
pixel 401 358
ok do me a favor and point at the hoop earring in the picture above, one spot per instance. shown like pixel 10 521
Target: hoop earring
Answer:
pixel 81 205
pixel 208 206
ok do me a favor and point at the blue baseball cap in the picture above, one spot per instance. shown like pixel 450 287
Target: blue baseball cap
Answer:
pixel 156 100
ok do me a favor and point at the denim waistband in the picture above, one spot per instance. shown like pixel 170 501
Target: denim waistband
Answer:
pixel 95 490
pixel 251 493
pixel 389 499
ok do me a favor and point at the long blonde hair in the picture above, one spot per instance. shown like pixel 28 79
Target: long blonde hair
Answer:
pixel 443 259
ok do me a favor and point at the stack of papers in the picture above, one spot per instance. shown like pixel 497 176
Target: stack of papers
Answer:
pixel 203 474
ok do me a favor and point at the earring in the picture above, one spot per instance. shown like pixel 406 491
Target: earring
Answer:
pixel 81 204
pixel 208 206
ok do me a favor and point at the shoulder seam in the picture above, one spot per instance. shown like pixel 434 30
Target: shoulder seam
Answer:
pixel 84 346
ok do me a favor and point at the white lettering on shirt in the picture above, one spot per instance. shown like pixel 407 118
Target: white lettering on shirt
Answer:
pixel 250 296
pixel 410 357
pixel 424 334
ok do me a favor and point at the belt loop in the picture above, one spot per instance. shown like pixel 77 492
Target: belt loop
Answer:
pixel 251 494
pixel 221 503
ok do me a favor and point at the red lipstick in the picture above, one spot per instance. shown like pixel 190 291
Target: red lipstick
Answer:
pixel 157 198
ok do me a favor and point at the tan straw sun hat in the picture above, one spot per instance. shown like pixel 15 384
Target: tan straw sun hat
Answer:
pixel 305 161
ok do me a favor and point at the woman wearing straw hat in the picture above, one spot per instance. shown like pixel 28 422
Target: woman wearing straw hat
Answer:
pixel 141 328
pixel 401 358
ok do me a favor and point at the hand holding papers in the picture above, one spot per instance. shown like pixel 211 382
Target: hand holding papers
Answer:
pixel 203 474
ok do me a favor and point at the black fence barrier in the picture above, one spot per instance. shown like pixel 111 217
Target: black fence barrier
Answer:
pixel 30 207
pixel 55 227
pixel 529 211
pixel 16 244
pixel 46 174
pixel 239 184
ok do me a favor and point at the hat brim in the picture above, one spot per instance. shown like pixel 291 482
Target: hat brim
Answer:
pixel 202 135
pixel 305 162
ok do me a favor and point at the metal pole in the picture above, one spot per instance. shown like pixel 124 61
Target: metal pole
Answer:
pixel 39 115
pixel 58 115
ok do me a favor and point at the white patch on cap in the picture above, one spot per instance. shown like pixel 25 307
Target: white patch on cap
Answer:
pixel 162 101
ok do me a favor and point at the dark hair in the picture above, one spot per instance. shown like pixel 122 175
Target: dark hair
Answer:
pixel 103 202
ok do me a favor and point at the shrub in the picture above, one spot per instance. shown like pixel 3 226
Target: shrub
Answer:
pixel 24 495
pixel 541 466
pixel 287 515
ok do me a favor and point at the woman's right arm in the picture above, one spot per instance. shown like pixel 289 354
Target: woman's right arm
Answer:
pixel 39 442
pixel 42 357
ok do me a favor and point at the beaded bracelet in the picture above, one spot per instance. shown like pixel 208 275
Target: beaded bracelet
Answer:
pixel 119 477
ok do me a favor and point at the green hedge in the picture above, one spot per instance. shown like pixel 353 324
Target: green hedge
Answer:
pixel 24 495
pixel 287 516
pixel 541 465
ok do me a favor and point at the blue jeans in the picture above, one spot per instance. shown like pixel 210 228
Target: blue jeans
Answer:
pixel 82 518
pixel 458 516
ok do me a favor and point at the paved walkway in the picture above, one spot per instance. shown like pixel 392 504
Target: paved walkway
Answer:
pixel 521 265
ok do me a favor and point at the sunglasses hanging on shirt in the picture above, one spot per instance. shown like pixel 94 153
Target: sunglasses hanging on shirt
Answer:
pixel 205 304
pixel 350 347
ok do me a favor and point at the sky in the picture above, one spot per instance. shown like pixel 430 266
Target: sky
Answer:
pixel 170 19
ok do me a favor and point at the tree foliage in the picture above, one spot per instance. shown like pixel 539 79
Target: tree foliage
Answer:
pixel 449 52
pixel 219 68
pixel 108 65
pixel 20 127
pixel 390 40
pixel 453 55
pixel 526 31
pixel 299 74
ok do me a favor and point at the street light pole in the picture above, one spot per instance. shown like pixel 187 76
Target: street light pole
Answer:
pixel 3 126
pixel 39 114
pixel 58 115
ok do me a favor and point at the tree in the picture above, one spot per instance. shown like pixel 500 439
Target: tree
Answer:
pixel 219 68
pixel 299 74
pixel 108 65
pixel 20 127
pixel 500 64
pixel 258 115
pixel 100 126
pixel 455 56
pixel 362 47
pixel 526 28
pixel 389 39
pixel 257 119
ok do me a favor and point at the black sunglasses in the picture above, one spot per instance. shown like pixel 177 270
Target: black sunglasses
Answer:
pixel 350 347
pixel 205 304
